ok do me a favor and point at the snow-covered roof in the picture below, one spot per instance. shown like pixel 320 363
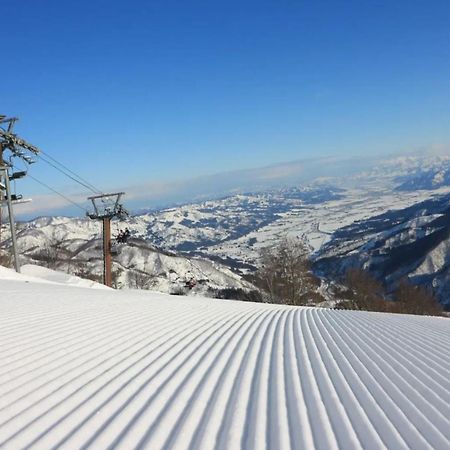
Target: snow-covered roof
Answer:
pixel 93 368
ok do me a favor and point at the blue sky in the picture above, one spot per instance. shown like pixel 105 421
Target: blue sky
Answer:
pixel 162 91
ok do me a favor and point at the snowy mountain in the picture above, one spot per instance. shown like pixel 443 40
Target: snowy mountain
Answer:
pixel 430 175
pixel 413 242
pixel 75 247
pixel 97 369
pixel 368 218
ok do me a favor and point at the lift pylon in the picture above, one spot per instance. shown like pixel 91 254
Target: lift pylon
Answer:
pixel 14 147
pixel 106 207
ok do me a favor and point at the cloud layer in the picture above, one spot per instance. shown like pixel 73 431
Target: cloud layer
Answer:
pixel 148 194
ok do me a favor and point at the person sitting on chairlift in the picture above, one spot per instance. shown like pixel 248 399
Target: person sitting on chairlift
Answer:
pixel 123 236
pixel 120 237
pixel 191 283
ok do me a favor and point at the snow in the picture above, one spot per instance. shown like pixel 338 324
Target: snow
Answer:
pixel 315 224
pixel 435 260
pixel 74 246
pixel 89 368
pixel 8 274
pixel 59 277
pixel 231 231
pixel 37 274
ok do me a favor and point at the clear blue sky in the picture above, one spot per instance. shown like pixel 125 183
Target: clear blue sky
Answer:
pixel 162 90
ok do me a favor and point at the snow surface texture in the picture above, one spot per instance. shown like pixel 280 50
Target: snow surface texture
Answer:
pixel 86 368
pixel 42 273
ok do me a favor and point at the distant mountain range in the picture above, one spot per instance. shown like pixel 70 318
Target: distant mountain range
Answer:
pixel 426 178
pixel 392 219
pixel 411 242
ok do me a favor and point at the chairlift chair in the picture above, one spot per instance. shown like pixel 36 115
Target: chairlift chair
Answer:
pixel 17 175
pixel 29 159
pixel 114 250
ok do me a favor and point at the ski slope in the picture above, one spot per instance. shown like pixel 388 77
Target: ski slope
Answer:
pixel 89 368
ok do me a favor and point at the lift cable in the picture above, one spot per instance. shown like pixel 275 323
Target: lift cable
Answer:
pixel 76 178
pixel 58 193
pixel 94 188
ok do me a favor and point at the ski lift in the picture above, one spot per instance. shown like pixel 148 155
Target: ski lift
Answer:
pixel 123 236
pixel 106 205
pixel 114 250
pixel 17 175
pixel 29 159
pixel 190 284
pixel 19 153
pixel 14 197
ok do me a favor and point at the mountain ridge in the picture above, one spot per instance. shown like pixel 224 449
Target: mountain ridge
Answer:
pixel 339 218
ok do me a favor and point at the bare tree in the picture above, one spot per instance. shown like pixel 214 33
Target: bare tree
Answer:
pixel 285 273
pixel 5 258
pixel 140 280
pixel 81 270
pixel 52 252
pixel 115 275
pixel 363 291
pixel 410 299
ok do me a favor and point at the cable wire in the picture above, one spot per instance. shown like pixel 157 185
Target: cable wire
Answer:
pixel 94 188
pixel 58 193
pixel 67 172
pixel 86 185
pixel 50 160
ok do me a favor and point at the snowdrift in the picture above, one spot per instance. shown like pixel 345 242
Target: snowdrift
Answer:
pixel 54 276
pixel 87 368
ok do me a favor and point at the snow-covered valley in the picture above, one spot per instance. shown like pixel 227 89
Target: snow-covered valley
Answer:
pixel 365 220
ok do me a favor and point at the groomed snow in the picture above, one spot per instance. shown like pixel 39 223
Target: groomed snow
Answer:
pixel 86 368
pixel 55 276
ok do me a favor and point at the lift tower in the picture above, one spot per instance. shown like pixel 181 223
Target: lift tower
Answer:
pixel 12 146
pixel 106 207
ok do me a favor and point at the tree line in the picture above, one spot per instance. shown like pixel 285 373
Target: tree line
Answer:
pixel 285 276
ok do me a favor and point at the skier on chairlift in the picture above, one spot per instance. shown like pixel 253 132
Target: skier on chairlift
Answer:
pixel 122 236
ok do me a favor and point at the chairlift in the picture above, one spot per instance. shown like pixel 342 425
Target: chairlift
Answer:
pixel 18 175
pixel 105 211
pixel 20 153
pixel 123 236
pixel 114 250
pixel 15 198
pixel 121 212
pixel 190 284
pixel 29 159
